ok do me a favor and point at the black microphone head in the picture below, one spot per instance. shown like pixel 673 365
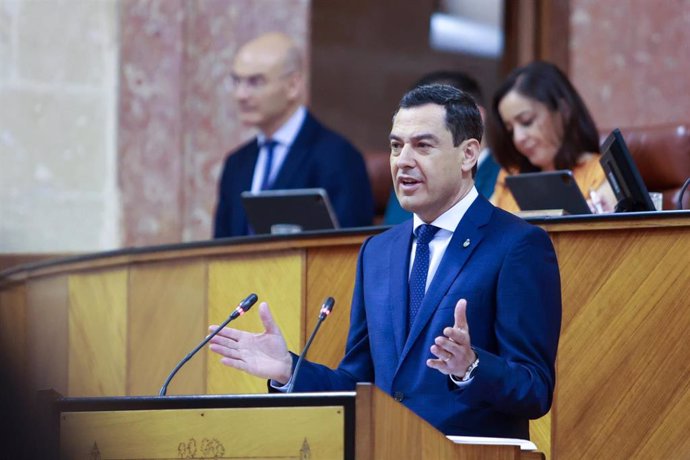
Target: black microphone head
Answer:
pixel 244 306
pixel 326 307
pixel 249 301
pixel 328 303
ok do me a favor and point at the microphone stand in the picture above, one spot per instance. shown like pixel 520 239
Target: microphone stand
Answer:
pixel 323 314
pixel 241 309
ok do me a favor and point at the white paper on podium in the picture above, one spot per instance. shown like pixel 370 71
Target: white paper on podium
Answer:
pixel 524 444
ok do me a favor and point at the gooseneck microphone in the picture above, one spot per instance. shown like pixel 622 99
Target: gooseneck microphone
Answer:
pixel 241 309
pixel 323 314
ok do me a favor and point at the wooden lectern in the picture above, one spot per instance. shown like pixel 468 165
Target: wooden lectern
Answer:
pixel 366 424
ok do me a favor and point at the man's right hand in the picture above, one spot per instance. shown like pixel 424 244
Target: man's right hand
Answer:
pixel 264 355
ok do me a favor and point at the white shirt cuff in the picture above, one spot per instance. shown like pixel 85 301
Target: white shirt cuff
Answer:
pixel 280 387
pixel 460 383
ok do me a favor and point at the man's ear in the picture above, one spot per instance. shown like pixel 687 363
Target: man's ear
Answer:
pixel 470 149
pixel 295 85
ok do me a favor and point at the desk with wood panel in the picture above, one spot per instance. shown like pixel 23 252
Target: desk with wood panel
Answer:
pixel 116 323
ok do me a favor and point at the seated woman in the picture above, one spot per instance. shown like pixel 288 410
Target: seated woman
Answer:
pixel 540 123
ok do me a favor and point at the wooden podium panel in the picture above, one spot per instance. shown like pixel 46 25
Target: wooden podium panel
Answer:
pixel 13 343
pixel 367 424
pixel 278 279
pixel 330 272
pixel 227 433
pixel 387 429
pixel 47 306
pixel 624 357
pixel 98 333
pixel 166 300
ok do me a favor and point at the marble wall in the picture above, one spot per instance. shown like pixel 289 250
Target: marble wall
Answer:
pixel 177 120
pixel 115 116
pixel 58 158
pixel 629 60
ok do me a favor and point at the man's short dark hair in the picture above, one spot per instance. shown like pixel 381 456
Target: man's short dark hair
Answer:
pixel 463 119
pixel 456 79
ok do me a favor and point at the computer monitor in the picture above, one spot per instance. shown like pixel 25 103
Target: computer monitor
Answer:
pixel 623 175
pixel 548 190
pixel 288 211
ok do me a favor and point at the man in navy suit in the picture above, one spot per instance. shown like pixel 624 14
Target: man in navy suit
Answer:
pixel 292 149
pixel 456 313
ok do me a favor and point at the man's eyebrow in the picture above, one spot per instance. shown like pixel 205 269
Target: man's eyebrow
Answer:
pixel 415 138
pixel 424 137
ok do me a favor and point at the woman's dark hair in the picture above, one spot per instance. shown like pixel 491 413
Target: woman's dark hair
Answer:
pixel 544 82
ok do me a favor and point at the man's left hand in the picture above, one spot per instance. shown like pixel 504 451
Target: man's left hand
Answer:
pixel 452 350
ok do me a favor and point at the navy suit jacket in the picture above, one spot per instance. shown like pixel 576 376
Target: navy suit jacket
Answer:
pixel 317 158
pixel 508 273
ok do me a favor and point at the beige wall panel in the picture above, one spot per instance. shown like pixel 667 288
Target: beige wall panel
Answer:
pixel 167 319
pixel 540 434
pixel 634 306
pixel 97 333
pixel 277 278
pixel 47 335
pixel 250 433
pixel 13 330
pixel 330 272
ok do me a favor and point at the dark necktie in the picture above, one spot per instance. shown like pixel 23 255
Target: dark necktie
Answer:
pixel 266 181
pixel 420 268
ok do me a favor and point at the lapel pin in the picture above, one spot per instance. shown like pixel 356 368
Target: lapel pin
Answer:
pixel 466 243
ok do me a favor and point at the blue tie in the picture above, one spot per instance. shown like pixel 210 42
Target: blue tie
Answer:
pixel 266 181
pixel 420 268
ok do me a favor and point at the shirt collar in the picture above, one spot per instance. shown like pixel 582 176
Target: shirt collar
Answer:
pixel 287 133
pixel 450 219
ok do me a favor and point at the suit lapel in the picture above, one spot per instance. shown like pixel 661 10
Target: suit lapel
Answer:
pixel 465 239
pixel 293 167
pixel 399 274
pixel 242 179
pixel 246 174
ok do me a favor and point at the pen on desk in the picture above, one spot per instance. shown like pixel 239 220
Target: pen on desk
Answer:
pixel 596 201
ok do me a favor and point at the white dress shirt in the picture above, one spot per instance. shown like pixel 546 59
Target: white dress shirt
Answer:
pixel 447 223
pixel 284 138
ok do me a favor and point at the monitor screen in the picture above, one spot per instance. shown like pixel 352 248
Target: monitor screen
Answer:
pixel 623 175
pixel 548 190
pixel 289 211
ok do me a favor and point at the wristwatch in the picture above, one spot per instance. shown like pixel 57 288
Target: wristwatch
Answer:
pixel 470 370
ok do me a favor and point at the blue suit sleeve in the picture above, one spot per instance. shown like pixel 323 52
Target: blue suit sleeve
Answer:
pixel 520 379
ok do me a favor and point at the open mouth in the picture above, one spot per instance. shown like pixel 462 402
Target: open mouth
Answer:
pixel 406 183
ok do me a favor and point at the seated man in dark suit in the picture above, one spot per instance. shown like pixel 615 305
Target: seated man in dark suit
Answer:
pixel 487 168
pixel 292 149
pixel 456 313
